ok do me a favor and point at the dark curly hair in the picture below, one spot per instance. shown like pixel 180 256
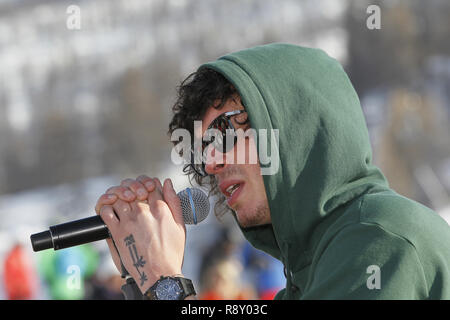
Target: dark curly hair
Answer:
pixel 198 92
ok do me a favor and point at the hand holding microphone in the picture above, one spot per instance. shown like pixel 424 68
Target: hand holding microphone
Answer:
pixel 146 222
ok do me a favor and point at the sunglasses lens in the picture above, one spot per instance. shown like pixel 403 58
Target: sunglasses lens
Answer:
pixel 223 141
pixel 229 140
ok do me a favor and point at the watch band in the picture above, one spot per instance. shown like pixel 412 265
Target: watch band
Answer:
pixel 188 287
pixel 130 290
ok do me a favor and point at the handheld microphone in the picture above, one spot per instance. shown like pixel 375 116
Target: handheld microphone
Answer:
pixel 194 206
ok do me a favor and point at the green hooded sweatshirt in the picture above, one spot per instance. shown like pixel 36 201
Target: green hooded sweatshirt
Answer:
pixel 338 228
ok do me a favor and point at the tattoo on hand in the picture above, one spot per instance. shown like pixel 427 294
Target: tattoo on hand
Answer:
pixel 138 261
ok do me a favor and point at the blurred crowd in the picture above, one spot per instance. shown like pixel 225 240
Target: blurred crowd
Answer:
pixel 229 271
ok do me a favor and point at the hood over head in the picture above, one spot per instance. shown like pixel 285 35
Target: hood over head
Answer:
pixel 324 148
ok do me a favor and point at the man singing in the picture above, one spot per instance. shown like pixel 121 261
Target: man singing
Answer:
pixel 325 211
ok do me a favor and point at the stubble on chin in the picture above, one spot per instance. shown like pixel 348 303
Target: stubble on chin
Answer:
pixel 248 214
pixel 253 216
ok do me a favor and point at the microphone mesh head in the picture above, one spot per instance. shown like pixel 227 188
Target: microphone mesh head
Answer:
pixel 194 205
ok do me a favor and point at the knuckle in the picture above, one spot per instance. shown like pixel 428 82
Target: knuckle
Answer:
pixel 105 209
pixel 99 206
pixel 104 198
pixel 158 183
pixel 110 190
pixel 146 181
pixel 116 190
pixel 143 177
pixel 142 207
pixel 121 206
pixel 136 185
pixel 104 215
pixel 125 182
pixel 160 205
pixel 124 192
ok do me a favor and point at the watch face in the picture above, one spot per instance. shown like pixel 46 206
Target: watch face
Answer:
pixel 168 289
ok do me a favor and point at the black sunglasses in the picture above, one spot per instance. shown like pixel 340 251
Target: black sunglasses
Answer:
pixel 223 139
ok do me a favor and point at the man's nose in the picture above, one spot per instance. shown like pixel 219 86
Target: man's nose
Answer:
pixel 215 161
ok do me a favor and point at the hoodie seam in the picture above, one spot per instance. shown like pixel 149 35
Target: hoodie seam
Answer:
pixel 386 230
pixel 381 227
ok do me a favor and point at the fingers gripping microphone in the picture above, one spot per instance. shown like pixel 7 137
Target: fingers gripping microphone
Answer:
pixel 194 206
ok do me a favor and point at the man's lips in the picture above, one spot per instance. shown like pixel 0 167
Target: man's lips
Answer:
pixel 231 189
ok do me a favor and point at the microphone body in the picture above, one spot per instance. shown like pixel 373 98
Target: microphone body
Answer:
pixel 71 234
pixel 194 206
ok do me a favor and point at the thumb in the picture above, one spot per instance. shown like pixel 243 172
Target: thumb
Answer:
pixel 172 200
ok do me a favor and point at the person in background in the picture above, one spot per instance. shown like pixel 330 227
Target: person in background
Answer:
pixel 263 270
pixel 19 275
pixel 221 281
pixel 221 271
